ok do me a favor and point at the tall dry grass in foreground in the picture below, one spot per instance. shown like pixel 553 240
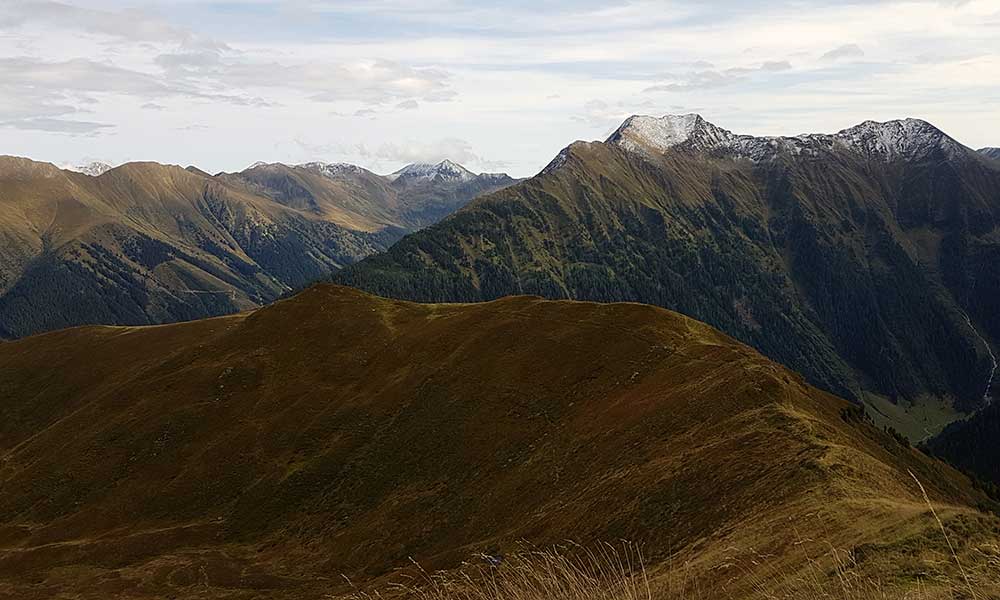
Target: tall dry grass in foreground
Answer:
pixel 618 573
pixel 566 573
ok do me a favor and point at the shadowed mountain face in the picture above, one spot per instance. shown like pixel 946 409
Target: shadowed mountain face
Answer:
pixel 971 444
pixel 866 260
pixel 265 454
pixel 991 152
pixel 149 243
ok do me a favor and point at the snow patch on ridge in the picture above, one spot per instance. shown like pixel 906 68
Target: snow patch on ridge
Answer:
pixel 893 139
pixel 331 169
pixel 94 169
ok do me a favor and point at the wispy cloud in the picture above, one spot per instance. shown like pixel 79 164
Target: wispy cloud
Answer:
pixel 845 51
pixel 515 81
pixel 708 79
pixel 57 125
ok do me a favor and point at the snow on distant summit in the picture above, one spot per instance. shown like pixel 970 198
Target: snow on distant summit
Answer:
pixel 323 168
pixel 990 152
pixel 901 138
pixel 422 171
pixel 93 169
pixel 331 169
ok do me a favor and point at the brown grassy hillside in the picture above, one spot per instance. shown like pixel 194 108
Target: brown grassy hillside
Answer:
pixel 266 454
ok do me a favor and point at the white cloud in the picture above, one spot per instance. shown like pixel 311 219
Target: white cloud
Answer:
pixel 259 76
pixel 845 51
pixel 421 151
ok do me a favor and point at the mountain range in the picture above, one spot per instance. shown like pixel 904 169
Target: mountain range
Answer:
pixel 866 260
pixel 148 243
pixel 324 443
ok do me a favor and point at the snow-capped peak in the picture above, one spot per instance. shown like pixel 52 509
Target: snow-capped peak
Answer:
pixel 326 169
pixel 93 169
pixel 330 169
pixel 445 169
pixel 892 139
pixel 905 137
pixel 661 133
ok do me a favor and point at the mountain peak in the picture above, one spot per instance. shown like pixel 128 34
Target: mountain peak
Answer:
pixel 668 131
pixel 445 169
pixel 94 169
pixel 872 139
pixel 901 137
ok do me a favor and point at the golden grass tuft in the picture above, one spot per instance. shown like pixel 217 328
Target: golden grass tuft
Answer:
pixel 572 572
pixel 617 572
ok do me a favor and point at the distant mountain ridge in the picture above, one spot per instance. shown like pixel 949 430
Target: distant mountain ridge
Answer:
pixel 148 243
pixel 990 152
pixel 853 258
pixel 413 197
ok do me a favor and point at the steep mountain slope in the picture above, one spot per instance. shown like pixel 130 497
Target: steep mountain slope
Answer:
pixel 866 260
pixel 148 243
pixel 348 195
pixel 267 454
pixel 990 152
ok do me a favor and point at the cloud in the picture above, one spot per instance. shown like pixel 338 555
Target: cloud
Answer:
pixel 709 79
pixel 57 125
pixel 31 88
pixel 606 117
pixel 421 151
pixel 778 65
pixel 845 51
pixel 373 81
pixel 132 25
pixel 515 78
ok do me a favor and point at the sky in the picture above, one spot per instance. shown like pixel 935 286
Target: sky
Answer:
pixel 496 86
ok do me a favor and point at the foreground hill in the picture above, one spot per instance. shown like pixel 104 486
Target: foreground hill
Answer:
pixel 265 454
pixel 150 243
pixel 868 260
